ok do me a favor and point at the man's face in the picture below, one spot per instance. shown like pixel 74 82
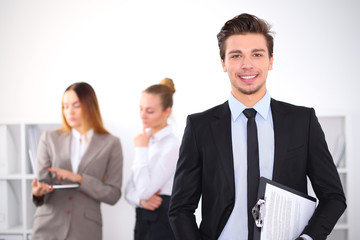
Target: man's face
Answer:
pixel 247 63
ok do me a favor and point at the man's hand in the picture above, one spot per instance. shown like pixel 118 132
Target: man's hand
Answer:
pixel 62 174
pixel 152 203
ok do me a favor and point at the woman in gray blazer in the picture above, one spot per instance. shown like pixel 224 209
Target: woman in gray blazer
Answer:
pixel 80 152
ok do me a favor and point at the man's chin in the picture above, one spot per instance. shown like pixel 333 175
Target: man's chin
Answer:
pixel 248 91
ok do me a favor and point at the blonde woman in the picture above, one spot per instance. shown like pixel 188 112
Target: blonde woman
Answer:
pixel 156 154
pixel 81 152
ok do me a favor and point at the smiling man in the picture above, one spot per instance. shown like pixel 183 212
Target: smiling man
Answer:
pixel 226 149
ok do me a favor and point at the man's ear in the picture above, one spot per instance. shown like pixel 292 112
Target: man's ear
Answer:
pixel 271 63
pixel 223 65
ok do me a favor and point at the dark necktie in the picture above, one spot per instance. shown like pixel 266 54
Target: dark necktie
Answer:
pixel 253 172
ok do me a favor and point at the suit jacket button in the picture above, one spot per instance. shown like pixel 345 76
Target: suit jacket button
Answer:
pixel 70 198
pixel 68 212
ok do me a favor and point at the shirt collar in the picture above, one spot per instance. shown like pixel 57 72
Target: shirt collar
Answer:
pixel 78 135
pixel 262 106
pixel 162 133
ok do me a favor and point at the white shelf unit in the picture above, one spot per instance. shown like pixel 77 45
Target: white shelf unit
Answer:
pixel 16 175
pixel 334 127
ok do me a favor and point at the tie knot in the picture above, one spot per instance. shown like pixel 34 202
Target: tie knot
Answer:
pixel 249 113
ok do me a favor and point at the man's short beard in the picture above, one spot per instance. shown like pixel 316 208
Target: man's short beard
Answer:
pixel 249 92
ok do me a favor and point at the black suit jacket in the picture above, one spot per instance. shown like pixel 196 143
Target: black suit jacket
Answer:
pixel 205 169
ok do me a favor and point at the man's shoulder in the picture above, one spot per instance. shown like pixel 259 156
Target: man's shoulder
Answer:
pixel 288 107
pixel 212 112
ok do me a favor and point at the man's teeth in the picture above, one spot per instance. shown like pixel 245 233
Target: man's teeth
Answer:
pixel 248 77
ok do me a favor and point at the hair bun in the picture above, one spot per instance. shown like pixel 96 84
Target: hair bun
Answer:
pixel 169 83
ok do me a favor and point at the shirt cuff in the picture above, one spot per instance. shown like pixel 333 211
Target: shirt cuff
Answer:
pixel 306 236
pixel 133 199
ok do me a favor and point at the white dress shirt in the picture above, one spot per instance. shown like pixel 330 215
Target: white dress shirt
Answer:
pixel 236 226
pixel 78 147
pixel 154 167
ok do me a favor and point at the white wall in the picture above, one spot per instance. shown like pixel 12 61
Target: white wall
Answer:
pixel 121 47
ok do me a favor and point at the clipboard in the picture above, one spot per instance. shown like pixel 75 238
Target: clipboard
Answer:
pixel 57 186
pixel 281 213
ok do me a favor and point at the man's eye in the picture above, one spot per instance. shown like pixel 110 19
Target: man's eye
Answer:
pixel 257 55
pixel 77 106
pixel 235 56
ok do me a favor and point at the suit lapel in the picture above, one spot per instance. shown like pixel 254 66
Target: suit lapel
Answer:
pixel 221 128
pixel 281 137
pixel 96 143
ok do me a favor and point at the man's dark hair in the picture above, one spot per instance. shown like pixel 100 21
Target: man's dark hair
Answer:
pixel 243 24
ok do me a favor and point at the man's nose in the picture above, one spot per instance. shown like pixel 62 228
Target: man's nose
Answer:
pixel 246 62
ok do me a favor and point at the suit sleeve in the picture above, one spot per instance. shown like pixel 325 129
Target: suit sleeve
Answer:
pixel 325 182
pixel 43 159
pixel 187 188
pixel 106 190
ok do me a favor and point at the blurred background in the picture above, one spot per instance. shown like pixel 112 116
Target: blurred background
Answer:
pixel 122 47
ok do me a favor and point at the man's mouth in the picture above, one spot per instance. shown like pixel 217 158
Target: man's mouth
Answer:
pixel 248 77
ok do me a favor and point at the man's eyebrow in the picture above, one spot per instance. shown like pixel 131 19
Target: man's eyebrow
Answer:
pixel 235 51
pixel 258 50
pixel 253 51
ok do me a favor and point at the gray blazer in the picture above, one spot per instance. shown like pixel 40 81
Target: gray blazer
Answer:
pixel 74 214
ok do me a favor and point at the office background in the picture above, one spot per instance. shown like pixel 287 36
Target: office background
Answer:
pixel 121 47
